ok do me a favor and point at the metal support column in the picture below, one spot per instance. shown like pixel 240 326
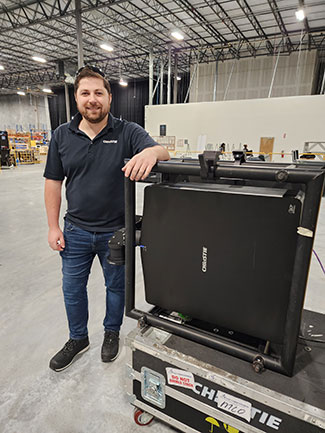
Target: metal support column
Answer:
pixel 175 79
pixel 150 77
pixel 161 97
pixel 79 34
pixel 67 102
pixel 169 73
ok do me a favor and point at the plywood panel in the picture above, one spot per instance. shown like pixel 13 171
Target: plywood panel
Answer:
pixel 266 145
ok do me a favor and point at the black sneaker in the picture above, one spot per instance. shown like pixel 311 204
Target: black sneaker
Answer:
pixel 110 346
pixel 65 356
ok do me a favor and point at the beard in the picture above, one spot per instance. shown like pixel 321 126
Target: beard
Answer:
pixel 93 116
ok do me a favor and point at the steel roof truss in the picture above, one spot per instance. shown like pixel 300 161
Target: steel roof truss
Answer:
pixel 224 17
pixel 255 24
pixel 275 10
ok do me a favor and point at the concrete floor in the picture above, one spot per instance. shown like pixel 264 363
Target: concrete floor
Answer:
pixel 88 397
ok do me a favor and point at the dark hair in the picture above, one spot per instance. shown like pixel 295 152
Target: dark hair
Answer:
pixel 91 71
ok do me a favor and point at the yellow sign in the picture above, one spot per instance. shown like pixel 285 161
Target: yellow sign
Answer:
pixel 223 426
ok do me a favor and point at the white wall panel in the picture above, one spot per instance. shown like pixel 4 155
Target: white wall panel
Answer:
pixel 24 112
pixel 290 120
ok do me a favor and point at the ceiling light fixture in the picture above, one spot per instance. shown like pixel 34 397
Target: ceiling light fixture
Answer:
pixel 39 59
pixel 177 35
pixel 1 68
pixel 47 90
pixel 107 47
pixel 123 82
pixel 300 15
pixel 21 93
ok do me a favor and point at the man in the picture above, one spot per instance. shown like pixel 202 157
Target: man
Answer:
pixel 89 152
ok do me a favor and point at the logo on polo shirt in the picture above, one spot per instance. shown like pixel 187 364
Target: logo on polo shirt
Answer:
pixel 109 141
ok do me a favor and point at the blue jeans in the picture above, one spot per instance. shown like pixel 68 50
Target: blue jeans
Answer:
pixel 81 247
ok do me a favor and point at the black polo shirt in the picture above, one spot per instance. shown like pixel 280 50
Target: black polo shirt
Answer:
pixel 92 168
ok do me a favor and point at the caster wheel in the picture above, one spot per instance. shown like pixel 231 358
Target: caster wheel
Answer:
pixel 142 418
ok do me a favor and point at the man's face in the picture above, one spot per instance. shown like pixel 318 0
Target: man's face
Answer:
pixel 93 100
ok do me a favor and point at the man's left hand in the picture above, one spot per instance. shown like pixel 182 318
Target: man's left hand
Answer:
pixel 139 167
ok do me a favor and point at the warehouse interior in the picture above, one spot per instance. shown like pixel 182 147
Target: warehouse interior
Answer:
pixel 199 76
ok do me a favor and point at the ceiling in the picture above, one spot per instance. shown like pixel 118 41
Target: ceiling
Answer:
pixel 212 29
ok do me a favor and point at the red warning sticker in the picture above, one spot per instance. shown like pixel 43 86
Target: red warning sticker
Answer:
pixel 181 378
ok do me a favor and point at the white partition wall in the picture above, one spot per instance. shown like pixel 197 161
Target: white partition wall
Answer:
pixel 290 120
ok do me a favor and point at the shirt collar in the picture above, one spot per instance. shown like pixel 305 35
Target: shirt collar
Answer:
pixel 74 124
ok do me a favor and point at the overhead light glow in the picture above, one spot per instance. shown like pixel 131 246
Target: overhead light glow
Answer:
pixel 178 78
pixel 47 90
pixel 21 93
pixel 177 35
pixel 300 15
pixel 39 59
pixel 123 82
pixel 1 68
pixel 107 47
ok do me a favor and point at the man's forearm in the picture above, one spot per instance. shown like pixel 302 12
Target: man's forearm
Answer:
pixel 160 152
pixel 52 195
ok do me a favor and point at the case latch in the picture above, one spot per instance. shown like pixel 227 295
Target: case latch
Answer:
pixel 153 387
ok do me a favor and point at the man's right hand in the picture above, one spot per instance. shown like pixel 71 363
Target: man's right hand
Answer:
pixel 56 239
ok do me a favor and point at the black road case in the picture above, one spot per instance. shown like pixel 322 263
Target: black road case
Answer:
pixel 198 389
pixel 210 379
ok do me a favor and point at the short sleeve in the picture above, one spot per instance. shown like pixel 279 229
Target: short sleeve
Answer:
pixel 53 169
pixel 139 138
